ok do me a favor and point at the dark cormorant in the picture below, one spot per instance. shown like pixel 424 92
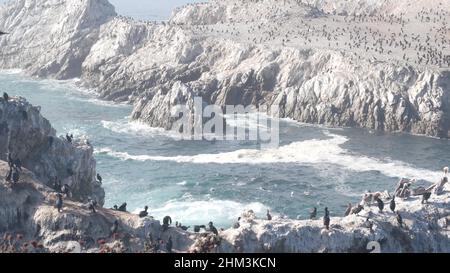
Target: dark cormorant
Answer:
pixel 123 207
pixel 5 96
pixel 399 219
pixel 425 197
pixel 358 209
pixel 185 228
pixel 143 213
pixel 59 202
pixel 392 205
pixel 197 228
pixel 349 209
pixel 380 205
pixel 167 221
pixel 313 213
pixel 99 178
pixel 326 219
pixel 212 228
pixel 269 217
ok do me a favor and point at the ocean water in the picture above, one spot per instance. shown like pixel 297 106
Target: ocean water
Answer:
pixel 199 181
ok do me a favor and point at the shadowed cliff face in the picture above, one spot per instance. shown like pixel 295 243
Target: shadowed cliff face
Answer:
pixel 29 136
pixel 360 63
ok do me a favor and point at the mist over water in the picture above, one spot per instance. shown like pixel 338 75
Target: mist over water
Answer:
pixel 199 181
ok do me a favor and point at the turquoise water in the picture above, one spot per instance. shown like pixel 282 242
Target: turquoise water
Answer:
pixel 198 181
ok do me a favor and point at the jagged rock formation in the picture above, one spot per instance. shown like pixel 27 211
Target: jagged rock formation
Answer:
pixel 27 208
pixel 350 234
pixel 51 38
pixel 27 135
pixel 372 64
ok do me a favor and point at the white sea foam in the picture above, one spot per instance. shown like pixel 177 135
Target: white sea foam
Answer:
pixel 11 71
pixel 309 152
pixel 221 212
pixel 125 126
pixel 250 121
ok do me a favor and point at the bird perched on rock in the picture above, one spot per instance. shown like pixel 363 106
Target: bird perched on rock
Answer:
pixel 349 209
pixel 425 197
pixel 123 207
pixel 380 205
pixel 392 204
pixel 197 228
pixel 313 213
pixel 167 221
pixel 143 213
pixel 5 96
pixel 212 228
pixel 358 209
pixel 59 202
pixel 399 219
pixel 269 217
pixel 99 178
pixel 326 219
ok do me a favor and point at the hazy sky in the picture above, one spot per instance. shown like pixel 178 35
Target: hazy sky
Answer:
pixel 145 9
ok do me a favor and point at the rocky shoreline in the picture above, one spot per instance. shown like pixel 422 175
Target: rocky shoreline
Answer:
pixel 29 221
pixel 250 52
pixel 227 52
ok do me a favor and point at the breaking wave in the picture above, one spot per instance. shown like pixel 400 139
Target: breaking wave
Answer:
pixel 315 152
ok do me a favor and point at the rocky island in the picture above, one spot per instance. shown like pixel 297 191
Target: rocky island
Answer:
pixel 29 221
pixel 356 63
pixel 381 65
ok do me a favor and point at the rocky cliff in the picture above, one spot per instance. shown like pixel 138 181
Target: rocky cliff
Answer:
pixel 28 212
pixel 28 136
pixel 51 38
pixel 374 64
pixel 425 230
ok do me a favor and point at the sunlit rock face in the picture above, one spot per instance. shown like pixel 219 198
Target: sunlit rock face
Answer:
pixel 28 136
pixel 381 65
pixel 51 38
